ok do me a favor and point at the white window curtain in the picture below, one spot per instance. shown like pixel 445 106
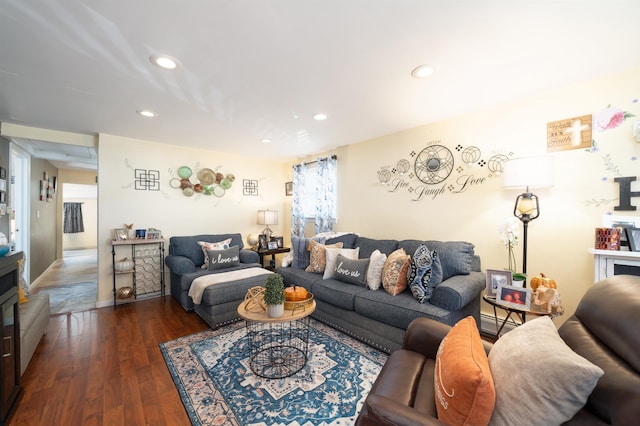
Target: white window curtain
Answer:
pixel 314 195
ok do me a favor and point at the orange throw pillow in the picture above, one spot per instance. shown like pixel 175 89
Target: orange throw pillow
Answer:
pixel 465 393
pixel 395 272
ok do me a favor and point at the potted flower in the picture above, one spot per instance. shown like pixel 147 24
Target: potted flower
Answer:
pixel 274 295
pixel 518 279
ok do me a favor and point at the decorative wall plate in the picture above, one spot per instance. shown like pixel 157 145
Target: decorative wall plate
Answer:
pixel 184 172
pixel 225 183
pixel 218 191
pixel 206 176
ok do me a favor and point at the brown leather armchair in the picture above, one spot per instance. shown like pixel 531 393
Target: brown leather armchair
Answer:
pixel 605 329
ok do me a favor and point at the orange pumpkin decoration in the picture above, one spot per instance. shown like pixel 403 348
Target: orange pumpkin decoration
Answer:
pixel 295 293
pixel 542 280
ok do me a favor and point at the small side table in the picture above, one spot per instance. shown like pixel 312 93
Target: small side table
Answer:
pixel 512 313
pixel 273 252
pixel 278 347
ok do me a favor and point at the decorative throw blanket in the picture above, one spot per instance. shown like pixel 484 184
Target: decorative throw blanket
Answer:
pixel 200 284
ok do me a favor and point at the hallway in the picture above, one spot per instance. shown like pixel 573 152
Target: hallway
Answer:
pixel 73 283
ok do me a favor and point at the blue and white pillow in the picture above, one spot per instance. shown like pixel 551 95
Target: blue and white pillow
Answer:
pixel 421 273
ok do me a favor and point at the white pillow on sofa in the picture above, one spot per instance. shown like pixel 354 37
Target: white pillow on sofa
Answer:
pixel 332 255
pixel 374 273
pixel 539 380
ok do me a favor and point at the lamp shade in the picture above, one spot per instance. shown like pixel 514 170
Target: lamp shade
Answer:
pixel 529 172
pixel 267 217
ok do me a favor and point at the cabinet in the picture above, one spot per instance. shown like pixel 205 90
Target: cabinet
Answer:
pixel 146 276
pixel 615 262
pixel 9 334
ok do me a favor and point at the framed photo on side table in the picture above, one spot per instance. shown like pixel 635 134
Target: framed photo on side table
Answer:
pixel 153 235
pixel 514 297
pixel 262 242
pixel 633 237
pixel 272 245
pixel 496 278
pixel 121 234
pixel 278 240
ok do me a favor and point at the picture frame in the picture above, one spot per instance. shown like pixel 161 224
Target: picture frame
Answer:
pixel 514 297
pixel 153 235
pixel 262 242
pixel 121 234
pixel 278 240
pixel 288 189
pixel 272 245
pixel 633 238
pixel 495 278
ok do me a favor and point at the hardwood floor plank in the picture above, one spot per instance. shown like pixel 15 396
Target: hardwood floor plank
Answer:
pixel 104 367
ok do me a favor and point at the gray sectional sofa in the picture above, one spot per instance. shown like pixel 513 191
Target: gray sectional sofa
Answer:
pixel 376 317
pixel 219 303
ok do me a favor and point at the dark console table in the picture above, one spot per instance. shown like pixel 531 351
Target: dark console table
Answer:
pixel 9 335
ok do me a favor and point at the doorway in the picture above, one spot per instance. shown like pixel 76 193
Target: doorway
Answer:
pixel 19 195
pixel 72 283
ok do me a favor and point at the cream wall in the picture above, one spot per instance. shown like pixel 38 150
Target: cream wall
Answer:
pixel 168 210
pixel 559 238
pixel 87 239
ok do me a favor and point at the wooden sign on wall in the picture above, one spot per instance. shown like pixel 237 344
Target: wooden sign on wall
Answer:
pixel 571 133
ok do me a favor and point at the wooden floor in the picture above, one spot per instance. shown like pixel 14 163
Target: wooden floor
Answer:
pixel 104 367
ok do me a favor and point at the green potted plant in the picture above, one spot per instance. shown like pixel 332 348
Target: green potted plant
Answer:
pixel 518 279
pixel 274 295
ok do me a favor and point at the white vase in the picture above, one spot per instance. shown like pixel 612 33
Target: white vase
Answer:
pixel 517 283
pixel 275 311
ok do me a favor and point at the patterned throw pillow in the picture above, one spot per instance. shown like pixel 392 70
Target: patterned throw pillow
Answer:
pixel 318 259
pixel 394 272
pixel 421 269
pixel 332 255
pixel 374 272
pixel 220 245
pixel 352 271
pixel 220 259
pixel 465 393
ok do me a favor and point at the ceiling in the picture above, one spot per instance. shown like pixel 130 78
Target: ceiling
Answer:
pixel 256 69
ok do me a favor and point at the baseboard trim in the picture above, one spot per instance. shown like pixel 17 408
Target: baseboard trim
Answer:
pixel 34 283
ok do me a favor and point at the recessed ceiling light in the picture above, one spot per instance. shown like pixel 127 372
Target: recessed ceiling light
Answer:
pixel 423 71
pixel 147 113
pixel 320 116
pixel 266 140
pixel 164 61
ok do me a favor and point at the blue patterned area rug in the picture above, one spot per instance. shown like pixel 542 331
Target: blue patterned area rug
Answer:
pixel 212 374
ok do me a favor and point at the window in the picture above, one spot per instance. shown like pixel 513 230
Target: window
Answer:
pixel 310 191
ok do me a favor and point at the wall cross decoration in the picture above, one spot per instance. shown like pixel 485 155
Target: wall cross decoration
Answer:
pixel 250 187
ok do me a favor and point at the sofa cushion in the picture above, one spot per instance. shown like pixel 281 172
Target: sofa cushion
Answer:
pixel 337 293
pixel 456 257
pixel 421 270
pixel 374 271
pixel 464 389
pixel 395 271
pixel 188 247
pixel 397 311
pixel 351 271
pixel 347 240
pixel 318 260
pixel 206 246
pixel 369 245
pixel 534 358
pixel 222 259
pixel 332 255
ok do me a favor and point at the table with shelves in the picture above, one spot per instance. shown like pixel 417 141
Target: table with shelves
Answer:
pixel 147 273
pixel 266 252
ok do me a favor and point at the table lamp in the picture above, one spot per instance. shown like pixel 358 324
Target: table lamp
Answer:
pixel 527 172
pixel 267 217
